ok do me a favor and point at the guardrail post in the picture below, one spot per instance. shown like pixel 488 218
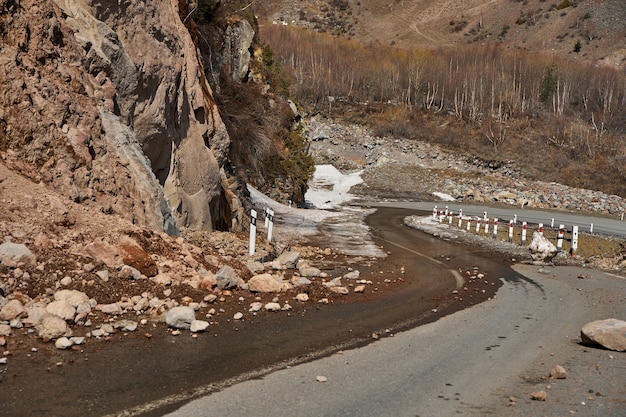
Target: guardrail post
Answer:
pixel 574 240
pixel 524 227
pixel 559 241
pixel 510 231
pixel 469 223
pixel 477 225
pixel 252 232
pixel 495 228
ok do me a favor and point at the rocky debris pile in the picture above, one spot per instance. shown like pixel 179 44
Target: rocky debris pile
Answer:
pixel 411 168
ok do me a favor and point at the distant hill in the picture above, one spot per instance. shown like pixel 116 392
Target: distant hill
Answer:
pixel 592 30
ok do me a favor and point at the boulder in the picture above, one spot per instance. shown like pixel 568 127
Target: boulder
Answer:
pixel 227 278
pixel 609 333
pixel 541 249
pixel 62 309
pixel 267 283
pixel 309 271
pixel 11 310
pixel 12 254
pixel 180 317
pixel 198 326
pixel 287 260
pixel 73 297
pixel 52 327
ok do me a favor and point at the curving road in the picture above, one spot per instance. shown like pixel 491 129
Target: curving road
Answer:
pixel 467 363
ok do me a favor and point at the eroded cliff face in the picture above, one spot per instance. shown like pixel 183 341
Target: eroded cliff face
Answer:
pixel 107 102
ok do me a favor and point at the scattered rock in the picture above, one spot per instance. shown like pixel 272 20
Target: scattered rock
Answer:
pixel 198 326
pixel 541 249
pixel 538 395
pixel 272 307
pixel 12 254
pixel 287 260
pixel 63 343
pixel 558 372
pixel 267 283
pixel 11 310
pixel 227 278
pixel 52 327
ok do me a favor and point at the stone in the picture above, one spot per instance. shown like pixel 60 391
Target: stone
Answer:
pixel 78 340
pixel 113 309
pixel 302 297
pixel 5 330
pixel 163 279
pixel 266 283
pixel 13 254
pixel 558 372
pixel 126 325
pixel 11 310
pixel 238 316
pixel 352 274
pixel 287 260
pixel 52 327
pixel 62 309
pixel 103 275
pixel 180 317
pixel 272 307
pixel 135 256
pixel 35 314
pixel 538 395
pixel 541 249
pixel 340 290
pixel 609 333
pixel 129 272
pixel 65 281
pixel 309 271
pixel 73 297
pixel 198 326
pixel 254 307
pixel 63 343
pixel 227 278
pixel 359 289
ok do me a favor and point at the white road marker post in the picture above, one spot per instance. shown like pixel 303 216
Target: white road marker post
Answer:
pixel 515 219
pixel 450 218
pixel 574 240
pixel 484 215
pixel 486 226
pixel 495 228
pixel 270 226
pixel 252 232
pixel 460 219
pixel 552 222
pixel 541 229
pixel 559 241
pixel 477 225
pixel 469 222
pixel 511 231
pixel 266 217
pixel 524 227
pixel 435 213
pixel 446 211
pixel 591 228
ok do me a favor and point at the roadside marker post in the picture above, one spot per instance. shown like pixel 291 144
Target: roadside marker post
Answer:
pixel 252 232
pixel 435 212
pixel 515 219
pixel 450 218
pixel 486 226
pixel 469 223
pixel 446 211
pixel 574 240
pixel 552 222
pixel 541 229
pixel 495 228
pixel 559 242
pixel 270 226
pixel 266 214
pixel 460 219
pixel 591 228
pixel 524 227
pixel 477 225
pixel 510 231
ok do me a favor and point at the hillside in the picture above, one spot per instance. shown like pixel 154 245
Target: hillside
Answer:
pixel 531 25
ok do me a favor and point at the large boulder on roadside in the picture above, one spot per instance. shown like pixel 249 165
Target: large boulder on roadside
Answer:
pixel 609 333
pixel 180 317
pixel 73 297
pixel 541 249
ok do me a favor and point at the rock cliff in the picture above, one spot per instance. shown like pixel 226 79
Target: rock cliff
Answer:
pixel 107 102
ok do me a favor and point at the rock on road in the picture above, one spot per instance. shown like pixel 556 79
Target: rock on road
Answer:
pixel 483 360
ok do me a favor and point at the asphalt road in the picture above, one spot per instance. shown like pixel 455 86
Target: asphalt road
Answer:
pixel 602 225
pixel 469 363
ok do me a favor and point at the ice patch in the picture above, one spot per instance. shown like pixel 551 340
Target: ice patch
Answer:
pixel 329 188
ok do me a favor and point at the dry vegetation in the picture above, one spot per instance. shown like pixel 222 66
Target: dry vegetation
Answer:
pixel 561 120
